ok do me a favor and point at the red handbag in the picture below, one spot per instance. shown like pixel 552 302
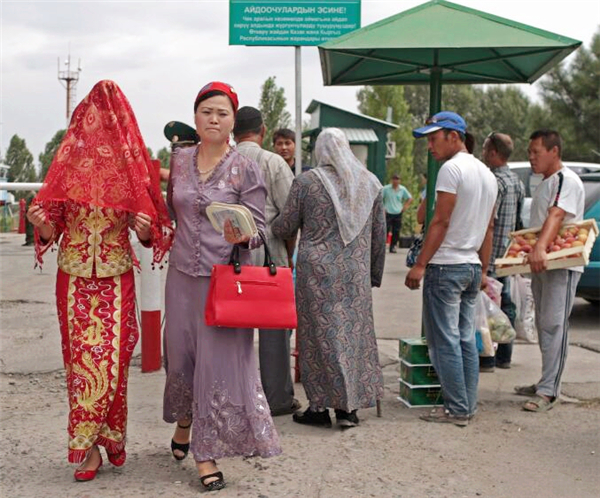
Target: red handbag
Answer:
pixel 259 297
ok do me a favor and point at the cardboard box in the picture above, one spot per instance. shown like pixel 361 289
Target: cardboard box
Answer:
pixel 415 351
pixel 418 375
pixel 420 396
pixel 565 258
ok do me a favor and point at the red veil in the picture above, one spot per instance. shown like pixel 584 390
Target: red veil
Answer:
pixel 103 161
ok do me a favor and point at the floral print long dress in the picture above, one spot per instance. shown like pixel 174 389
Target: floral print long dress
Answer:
pixel 339 362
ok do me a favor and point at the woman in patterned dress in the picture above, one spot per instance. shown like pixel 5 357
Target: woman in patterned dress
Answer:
pixel 100 183
pixel 213 387
pixel 338 209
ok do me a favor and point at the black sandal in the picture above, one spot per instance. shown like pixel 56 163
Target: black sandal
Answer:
pixel 219 483
pixel 183 447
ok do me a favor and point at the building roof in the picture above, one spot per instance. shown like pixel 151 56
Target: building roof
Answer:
pixel 360 135
pixel 315 103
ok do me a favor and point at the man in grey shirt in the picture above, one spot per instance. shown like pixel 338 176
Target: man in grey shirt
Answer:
pixel 274 345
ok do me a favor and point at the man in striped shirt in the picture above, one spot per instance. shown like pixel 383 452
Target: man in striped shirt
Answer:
pixel 558 199
pixel 497 148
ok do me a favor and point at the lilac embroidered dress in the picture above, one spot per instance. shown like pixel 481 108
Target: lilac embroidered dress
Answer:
pixel 212 376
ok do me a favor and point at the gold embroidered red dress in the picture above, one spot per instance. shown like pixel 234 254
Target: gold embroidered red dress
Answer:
pixel 101 176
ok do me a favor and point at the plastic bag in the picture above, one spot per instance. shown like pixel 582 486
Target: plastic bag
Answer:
pixel 498 323
pixel 485 345
pixel 521 295
pixel 494 290
pixel 414 250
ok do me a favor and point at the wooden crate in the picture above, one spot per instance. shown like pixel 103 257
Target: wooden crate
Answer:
pixel 565 258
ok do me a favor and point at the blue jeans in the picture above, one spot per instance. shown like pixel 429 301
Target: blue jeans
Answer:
pixel 449 297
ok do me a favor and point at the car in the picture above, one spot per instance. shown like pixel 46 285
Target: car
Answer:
pixel 531 180
pixel 589 285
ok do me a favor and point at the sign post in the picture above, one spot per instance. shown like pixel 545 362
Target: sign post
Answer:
pixel 291 23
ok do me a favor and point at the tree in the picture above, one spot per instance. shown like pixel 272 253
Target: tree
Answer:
pixel 463 99
pixel 47 156
pixel 272 107
pixel 500 108
pixel 164 156
pixel 374 101
pixel 503 109
pixel 20 162
pixel 572 97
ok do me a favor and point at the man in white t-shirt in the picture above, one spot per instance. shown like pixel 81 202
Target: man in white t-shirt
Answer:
pixel 454 260
pixel 557 200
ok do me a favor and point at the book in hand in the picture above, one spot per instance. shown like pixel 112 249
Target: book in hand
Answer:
pixel 240 217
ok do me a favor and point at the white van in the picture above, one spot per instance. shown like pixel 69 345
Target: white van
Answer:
pixel 532 180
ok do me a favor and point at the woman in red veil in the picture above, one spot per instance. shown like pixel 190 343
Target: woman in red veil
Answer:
pixel 101 183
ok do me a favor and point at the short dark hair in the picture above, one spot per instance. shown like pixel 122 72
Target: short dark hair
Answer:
pixel 550 139
pixel 501 143
pixel 248 121
pixel 284 133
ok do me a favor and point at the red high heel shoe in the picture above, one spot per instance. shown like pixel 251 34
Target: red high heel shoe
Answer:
pixel 87 475
pixel 117 459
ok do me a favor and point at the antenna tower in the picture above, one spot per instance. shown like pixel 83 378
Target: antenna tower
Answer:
pixel 69 79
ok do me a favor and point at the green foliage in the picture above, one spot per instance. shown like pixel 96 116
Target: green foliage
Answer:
pixel 20 162
pixel 164 156
pixel 463 99
pixel 572 97
pixel 272 107
pixel 150 152
pixel 374 101
pixel 47 156
pixel 503 109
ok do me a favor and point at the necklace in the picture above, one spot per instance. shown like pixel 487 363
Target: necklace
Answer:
pixel 206 171
pixel 210 170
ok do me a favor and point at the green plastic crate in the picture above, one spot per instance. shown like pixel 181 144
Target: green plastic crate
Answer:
pixel 418 375
pixel 420 396
pixel 415 351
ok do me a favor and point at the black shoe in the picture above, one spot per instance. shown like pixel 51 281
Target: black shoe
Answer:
pixel 346 419
pixel 393 251
pixel 218 483
pixel 503 365
pixel 296 405
pixel 183 447
pixel 308 417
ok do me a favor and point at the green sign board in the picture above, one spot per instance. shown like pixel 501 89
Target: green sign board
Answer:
pixel 301 22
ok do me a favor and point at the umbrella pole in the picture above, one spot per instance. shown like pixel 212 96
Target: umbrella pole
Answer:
pixel 435 106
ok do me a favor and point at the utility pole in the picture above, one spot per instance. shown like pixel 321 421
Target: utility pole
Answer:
pixel 69 80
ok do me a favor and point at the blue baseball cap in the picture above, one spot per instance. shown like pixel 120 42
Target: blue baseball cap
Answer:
pixel 445 120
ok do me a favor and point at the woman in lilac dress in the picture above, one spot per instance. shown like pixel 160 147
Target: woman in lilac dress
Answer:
pixel 213 386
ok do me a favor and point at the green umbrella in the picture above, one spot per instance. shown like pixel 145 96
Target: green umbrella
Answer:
pixel 441 42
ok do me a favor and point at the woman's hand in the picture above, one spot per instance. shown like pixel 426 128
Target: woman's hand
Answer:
pixel 37 216
pixel 142 224
pixel 39 219
pixel 233 235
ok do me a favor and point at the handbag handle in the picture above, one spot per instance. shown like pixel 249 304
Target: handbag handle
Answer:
pixel 234 258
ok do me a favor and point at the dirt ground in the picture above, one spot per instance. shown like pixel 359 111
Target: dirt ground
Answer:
pixel 504 453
